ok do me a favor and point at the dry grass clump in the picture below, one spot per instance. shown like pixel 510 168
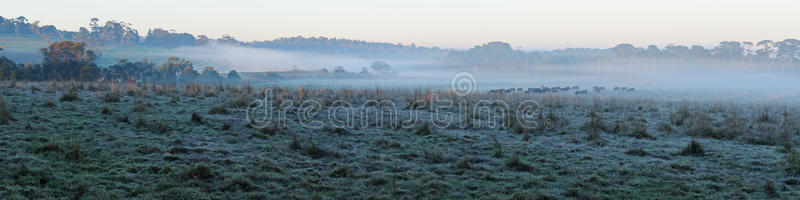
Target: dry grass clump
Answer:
pixel 220 109
pixel 516 163
pixel 341 171
pixel 270 166
pixel 5 114
pixel 637 152
pixel 595 125
pixel 139 106
pixel 680 116
pixel 764 117
pixel 769 189
pixel 693 149
pixel 74 151
pixel 48 103
pixel 71 95
pixel 701 126
pixel 498 147
pixel 198 172
pixel 793 162
pixel 111 97
pixel 424 129
pixel 307 148
pixel 106 110
pixel 196 118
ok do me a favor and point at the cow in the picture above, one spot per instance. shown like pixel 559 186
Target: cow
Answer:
pixel 598 88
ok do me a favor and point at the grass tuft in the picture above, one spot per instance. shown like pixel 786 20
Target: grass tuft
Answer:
pixel 516 163
pixel 198 172
pixel 71 95
pixel 693 149
pixel 5 114
pixel 221 110
pixel 196 118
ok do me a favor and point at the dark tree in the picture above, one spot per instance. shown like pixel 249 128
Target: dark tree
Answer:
pixel 68 60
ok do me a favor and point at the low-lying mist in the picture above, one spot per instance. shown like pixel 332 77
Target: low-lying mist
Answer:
pixel 675 80
pixel 248 59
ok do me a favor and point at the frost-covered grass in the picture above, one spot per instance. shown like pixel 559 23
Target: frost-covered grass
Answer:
pixel 193 142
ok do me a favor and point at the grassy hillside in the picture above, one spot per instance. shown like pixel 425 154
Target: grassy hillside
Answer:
pixel 111 141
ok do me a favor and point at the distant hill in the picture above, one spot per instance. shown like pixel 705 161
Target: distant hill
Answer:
pixel 115 40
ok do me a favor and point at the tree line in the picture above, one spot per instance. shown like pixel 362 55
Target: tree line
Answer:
pixel 784 53
pixel 69 60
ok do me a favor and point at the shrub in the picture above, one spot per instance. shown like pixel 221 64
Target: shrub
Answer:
pixel 693 149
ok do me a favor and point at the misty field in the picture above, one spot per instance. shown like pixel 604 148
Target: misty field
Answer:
pixel 73 140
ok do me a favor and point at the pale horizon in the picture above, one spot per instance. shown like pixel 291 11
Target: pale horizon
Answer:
pixel 447 24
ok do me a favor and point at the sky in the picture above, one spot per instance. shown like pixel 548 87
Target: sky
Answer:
pixel 461 24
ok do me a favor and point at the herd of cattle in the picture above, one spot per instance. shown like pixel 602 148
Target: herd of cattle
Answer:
pixel 543 90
